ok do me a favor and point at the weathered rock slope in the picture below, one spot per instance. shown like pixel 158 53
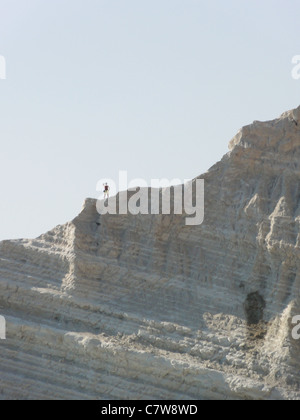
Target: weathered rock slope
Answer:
pixel 145 307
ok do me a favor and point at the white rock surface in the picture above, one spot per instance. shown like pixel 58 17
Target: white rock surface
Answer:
pixel 144 307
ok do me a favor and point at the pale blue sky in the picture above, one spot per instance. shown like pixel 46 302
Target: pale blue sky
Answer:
pixel 155 87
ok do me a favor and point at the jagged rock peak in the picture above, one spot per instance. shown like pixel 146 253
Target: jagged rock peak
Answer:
pixel 281 134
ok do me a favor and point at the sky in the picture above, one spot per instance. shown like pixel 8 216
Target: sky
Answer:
pixel 156 88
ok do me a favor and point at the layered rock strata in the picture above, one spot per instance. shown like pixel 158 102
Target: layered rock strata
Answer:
pixel 145 307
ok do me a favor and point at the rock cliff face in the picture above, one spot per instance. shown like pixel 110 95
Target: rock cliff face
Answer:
pixel 127 307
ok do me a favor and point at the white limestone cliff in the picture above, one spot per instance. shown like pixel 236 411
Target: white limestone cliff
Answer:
pixel 145 307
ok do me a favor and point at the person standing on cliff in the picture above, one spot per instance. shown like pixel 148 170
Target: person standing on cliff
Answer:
pixel 106 190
